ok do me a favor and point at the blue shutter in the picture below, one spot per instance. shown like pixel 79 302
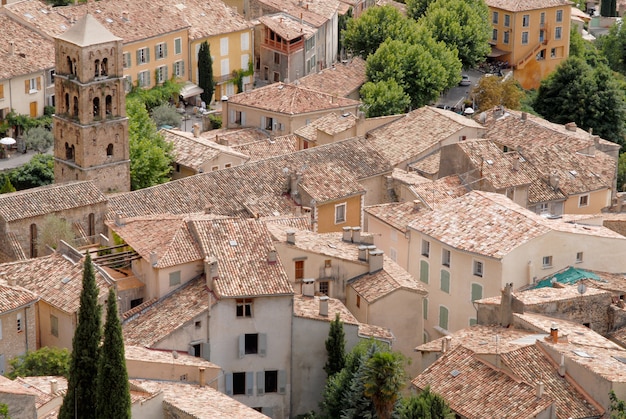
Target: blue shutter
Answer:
pixel 242 346
pixel 260 383
pixel 282 381
pixel 249 383
pixel 229 383
pixel 262 344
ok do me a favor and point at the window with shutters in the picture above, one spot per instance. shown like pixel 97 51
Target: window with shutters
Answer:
pixel 445 257
pixel 478 268
pixel 224 46
pixel 178 46
pixel 179 68
pixel 161 73
pixel 245 41
pixel 477 292
pixel 225 67
pixel 424 271
pixel 244 307
pixel 425 308
pixel 32 85
pixel 160 51
pixel 443 317
pixel 239 383
pixel 126 62
pixel 143 79
pixel 143 55
pixel 425 248
pixel 271 381
pixel 128 83
pixel 445 281
pixel 252 344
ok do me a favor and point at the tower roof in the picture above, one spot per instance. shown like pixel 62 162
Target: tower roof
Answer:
pixel 88 31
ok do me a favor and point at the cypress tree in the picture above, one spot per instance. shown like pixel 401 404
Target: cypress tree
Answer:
pixel 335 346
pixel 80 399
pixel 205 72
pixel 7 187
pixel 113 394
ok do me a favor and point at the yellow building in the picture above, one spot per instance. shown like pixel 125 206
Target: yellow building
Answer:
pixel 531 36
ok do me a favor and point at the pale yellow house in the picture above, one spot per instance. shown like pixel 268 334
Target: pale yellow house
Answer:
pixel 532 37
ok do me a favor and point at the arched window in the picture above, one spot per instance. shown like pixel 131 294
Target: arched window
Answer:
pixel 109 104
pixel 109 150
pixel 69 65
pixel 92 224
pixel 96 68
pixel 75 110
pixel 74 66
pixel 67 103
pixel 33 240
pixel 69 152
pixel 96 107
pixel 104 67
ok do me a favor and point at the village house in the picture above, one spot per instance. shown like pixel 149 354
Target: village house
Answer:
pixel 18 328
pixel 49 391
pixel 530 37
pixel 19 400
pixel 343 79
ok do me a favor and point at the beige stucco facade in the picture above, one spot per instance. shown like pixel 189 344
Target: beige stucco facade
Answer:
pixel 157 280
pixel 24 94
pixel 59 336
pixel 588 203
pixel 328 213
pixel 390 240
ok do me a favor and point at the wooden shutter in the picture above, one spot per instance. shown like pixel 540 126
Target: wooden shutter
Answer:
pixel 147 55
pixel 477 292
pixel 182 69
pixel 243 119
pixel 262 344
pixel 1 91
pixel 242 346
pixel 26 86
pixel 229 383
pixel 425 307
pixel 260 383
pixel 249 383
pixel 165 50
pixel 443 317
pixel 39 83
pixel 139 56
pixel 282 381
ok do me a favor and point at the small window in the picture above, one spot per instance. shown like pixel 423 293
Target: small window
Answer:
pixel 583 200
pixel 495 18
pixel 424 271
pixel 542 19
pixel 174 278
pixel 198 324
pixel 525 20
pixel 110 150
pixel 546 261
pixel 143 55
pixel 478 268
pixel 524 38
pixel 276 58
pixel 559 15
pixel 126 60
pixel 553 53
pixel 324 287
pixel 542 208
pixel 579 257
pixel 20 325
pixel 557 32
pixel 505 37
pixel 269 123
pixel 507 20
pixel 299 265
pixel 445 257
pixel 244 307
pixel 178 46
pixel 340 213
pixel 445 281
pixel 54 326
pixel 251 343
pixel 494 35
pixel 328 263
pixel 271 381
pixel 161 74
pixel 425 248
pixel 143 79
pixel 179 68
pixel 239 383
pixel 358 301
pixel 160 51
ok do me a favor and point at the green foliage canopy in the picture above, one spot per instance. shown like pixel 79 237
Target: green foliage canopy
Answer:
pixel 39 139
pixel 39 171
pixel 205 72
pixel 385 97
pixel 335 347
pixel 43 361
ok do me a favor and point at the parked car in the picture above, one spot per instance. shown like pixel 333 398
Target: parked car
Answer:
pixel 465 80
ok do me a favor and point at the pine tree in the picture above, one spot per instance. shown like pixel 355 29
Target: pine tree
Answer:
pixel 205 72
pixel 113 393
pixel 80 399
pixel 335 346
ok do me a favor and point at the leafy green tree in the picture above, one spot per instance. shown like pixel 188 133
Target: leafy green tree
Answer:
pixel 463 24
pixel 205 72
pixel 384 378
pixel 7 187
pixel 577 45
pixel 43 361
pixel 39 171
pixel 53 230
pixel 590 97
pixel 166 114
pixel 493 91
pixel 113 393
pixel 617 407
pixel 39 139
pixel 416 8
pixel 4 411
pixel 425 405
pixel 335 347
pixel 80 399
pixel 150 154
pixel 158 95
pixel 364 35
pixel 385 97
pixel 621 172
pixel 613 46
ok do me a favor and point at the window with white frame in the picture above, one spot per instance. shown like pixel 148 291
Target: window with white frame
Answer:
pixel 526 21
pixel 32 85
pixel 143 55
pixel 178 68
pixel 126 63
pixel 543 208
pixel 579 257
pixel 425 248
pixel 143 78
pixel 557 32
pixel 445 257
pixel 524 38
pixel 161 74
pixel 507 20
pixel 244 307
pixel 583 200
pixel 340 213
pixel 224 46
pixel 546 261
pixel 178 46
pixel 478 268
pixel 559 15
pixel 160 51
pixel 245 41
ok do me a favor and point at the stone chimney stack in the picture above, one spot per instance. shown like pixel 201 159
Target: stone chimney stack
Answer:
pixel 201 379
pixel 539 389
pixel 308 287
pixel 271 257
pixel 291 237
pixel 324 305
pixel 554 333
pixel 445 344
pixel 153 259
pixel 347 234
pixel 210 270
pixel 376 260
pixel 506 305
pixel 54 386
pixel 196 130
pixel 356 234
pixel 562 368
pixel 363 252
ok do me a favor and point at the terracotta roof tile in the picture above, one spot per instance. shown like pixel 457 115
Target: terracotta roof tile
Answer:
pixel 209 18
pixel 199 402
pixel 30 53
pixel 14 297
pixel 342 79
pixel 42 387
pixel 417 132
pixel 331 124
pixel 397 214
pixel 165 316
pixel 49 199
pixel 290 99
pixel 521 5
pixel 428 165
pixel 437 193
pixel 391 278
pixel 474 389
pixel 267 148
pixel 288 27
pixel 315 12
pixel 137 353
pixel 234 137
pixel 241 248
pixel 54 278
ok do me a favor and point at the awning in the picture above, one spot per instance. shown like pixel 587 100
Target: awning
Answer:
pixel 495 52
pixel 190 89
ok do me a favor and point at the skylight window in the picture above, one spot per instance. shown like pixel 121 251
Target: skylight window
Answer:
pixel 29 16
pixel 582 354
pixel 233 243
pixel 109 20
pixel 573 173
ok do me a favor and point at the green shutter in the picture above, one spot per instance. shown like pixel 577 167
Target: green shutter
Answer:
pixel 443 317
pixel 445 281
pixel 425 307
pixel 229 383
pixel 242 346
pixel 477 292
pixel 182 68
pixel 262 344
pixel 424 271
pixel 147 55
pixel 260 383
pixel 249 383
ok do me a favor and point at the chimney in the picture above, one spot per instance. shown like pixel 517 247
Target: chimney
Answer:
pixel 562 368
pixel 506 306
pixel 516 164
pixel 208 208
pixel 356 234
pixel 524 116
pixel 11 48
pixel 554 180
pixel 271 257
pixel 153 259
pixel 554 333
pixel 54 386
pixel 347 234
pixel 296 178
pixel 291 237
pixel 571 126
pixel 308 287
pixel 201 379
pixel 363 253
pixel 210 270
pixel 376 260
pixel 196 130
pixel 445 344
pixel 416 204
pixel 539 389
pixel 119 219
pixel 324 305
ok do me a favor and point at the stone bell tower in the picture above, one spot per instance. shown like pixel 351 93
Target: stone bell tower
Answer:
pixel 90 124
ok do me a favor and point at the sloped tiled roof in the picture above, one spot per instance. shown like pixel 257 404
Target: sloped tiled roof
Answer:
pixel 31 51
pixel 42 388
pixel 474 389
pixel 287 27
pixel 341 79
pixel 331 124
pixel 241 248
pixel 138 353
pixel 417 132
pixel 13 297
pixel 381 283
pixel 492 225
pixel 330 182
pixel 49 199
pixel 290 99
pixel 54 278
pixel 522 5
pixel 167 315
pixel 211 18
pixel 267 148
pixel 88 31
pixel 439 192
pixel 199 402
pixel 234 137
pixel 315 12
pixel 256 187
pixel 397 214
pixel 428 165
